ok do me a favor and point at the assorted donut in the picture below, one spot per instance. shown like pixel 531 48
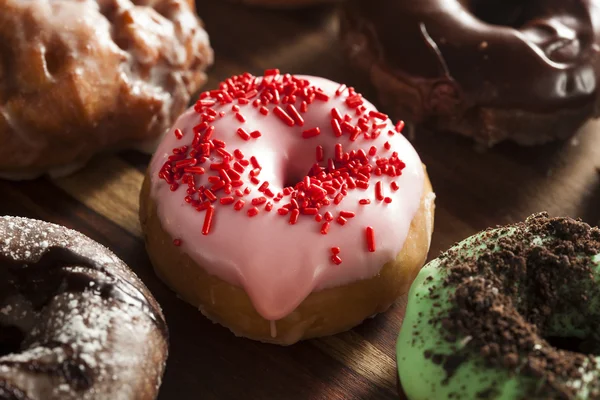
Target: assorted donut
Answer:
pixel 81 77
pixel 75 322
pixel 287 207
pixel 510 313
pixel 294 181
pixel 491 70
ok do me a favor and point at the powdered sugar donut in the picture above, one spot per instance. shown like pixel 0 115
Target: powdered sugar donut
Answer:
pixel 286 207
pixel 75 322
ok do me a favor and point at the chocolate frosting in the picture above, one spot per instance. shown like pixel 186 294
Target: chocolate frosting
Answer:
pixel 532 56
pixel 75 322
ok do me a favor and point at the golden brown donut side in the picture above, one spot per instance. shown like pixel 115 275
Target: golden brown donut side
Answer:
pixel 77 78
pixel 322 313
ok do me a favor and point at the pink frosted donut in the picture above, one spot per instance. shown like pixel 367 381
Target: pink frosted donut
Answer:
pixel 286 207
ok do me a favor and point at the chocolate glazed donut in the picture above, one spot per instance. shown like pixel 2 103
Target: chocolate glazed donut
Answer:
pixel 494 70
pixel 75 322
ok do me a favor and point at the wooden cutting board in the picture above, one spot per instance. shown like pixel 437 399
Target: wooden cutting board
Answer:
pixel 475 188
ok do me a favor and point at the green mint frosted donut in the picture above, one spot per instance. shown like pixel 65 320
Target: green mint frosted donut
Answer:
pixel 510 313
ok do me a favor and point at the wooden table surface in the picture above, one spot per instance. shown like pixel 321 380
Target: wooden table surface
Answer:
pixel 475 188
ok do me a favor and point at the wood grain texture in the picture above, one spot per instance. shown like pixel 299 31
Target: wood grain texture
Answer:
pixel 476 189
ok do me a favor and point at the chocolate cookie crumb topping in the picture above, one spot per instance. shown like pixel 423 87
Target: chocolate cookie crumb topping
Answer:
pixel 530 282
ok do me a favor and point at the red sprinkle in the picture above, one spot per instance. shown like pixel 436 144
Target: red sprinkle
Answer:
pixel 394 186
pixel 226 200
pixel 238 154
pixel 362 184
pixel 259 200
pixel 337 129
pixel 252 212
pixel 335 113
pixel 311 133
pixel 320 153
pixel 239 205
pixel 378 115
pixel 255 172
pixel 336 260
pixel 289 121
pixel 255 134
pixel 338 199
pixel 295 114
pixel 243 134
pixel 208 219
pixel 254 162
pixel 194 170
pixel 338 152
pixel 208 134
pixel 294 216
pixel 370 234
pixel 178 134
pixel 325 228
pixel 379 191
pixel 321 96
pixel 240 117
pixel 263 186
pixel 400 126
pixel 210 195
pixel 177 242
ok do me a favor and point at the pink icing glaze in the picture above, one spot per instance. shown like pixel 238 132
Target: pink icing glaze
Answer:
pixel 279 264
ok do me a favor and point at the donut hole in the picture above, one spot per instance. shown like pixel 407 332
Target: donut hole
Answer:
pixel 299 164
pixel 513 13
pixel 587 346
pixel 292 177
pixel 11 339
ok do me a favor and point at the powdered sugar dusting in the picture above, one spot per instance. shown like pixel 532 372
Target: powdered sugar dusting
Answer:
pixel 82 344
